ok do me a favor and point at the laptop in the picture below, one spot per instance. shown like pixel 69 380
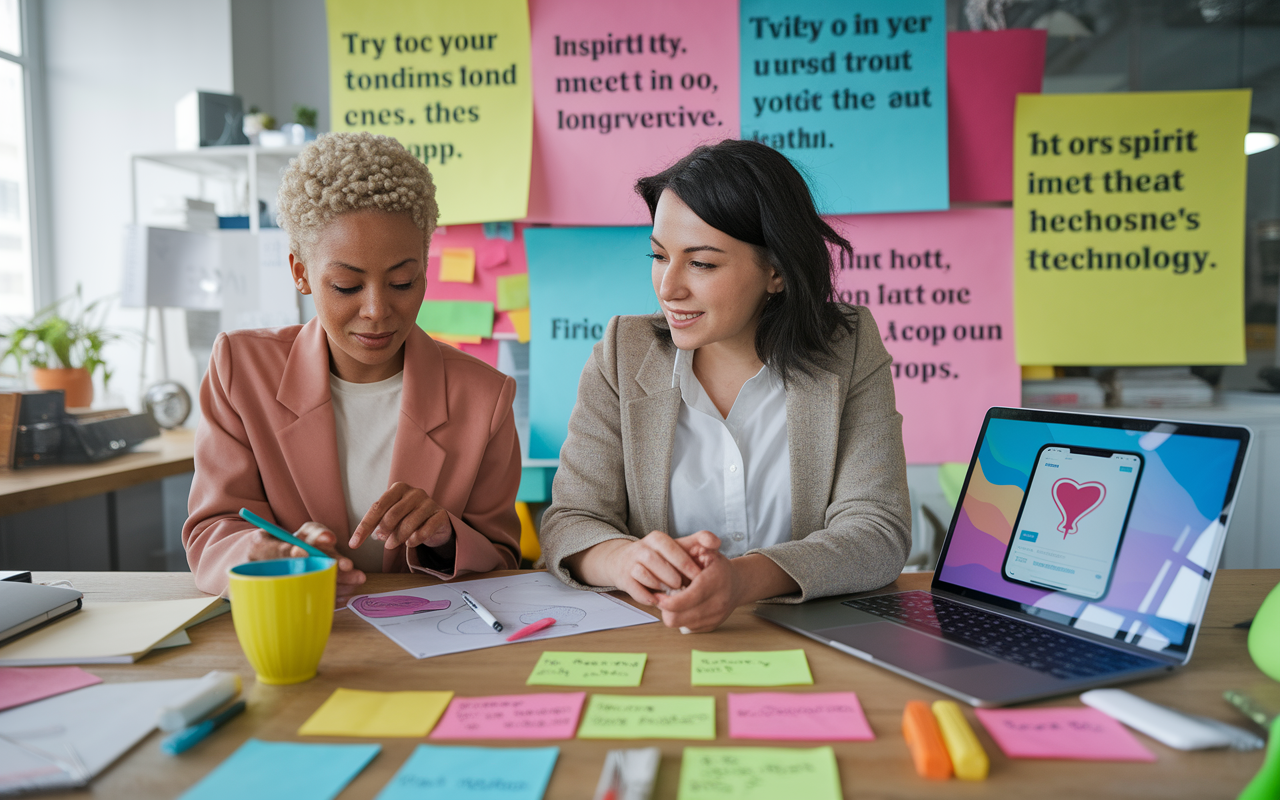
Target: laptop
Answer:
pixel 1081 554
pixel 27 606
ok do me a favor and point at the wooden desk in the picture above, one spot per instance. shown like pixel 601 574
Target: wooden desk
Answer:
pixel 172 453
pixel 358 657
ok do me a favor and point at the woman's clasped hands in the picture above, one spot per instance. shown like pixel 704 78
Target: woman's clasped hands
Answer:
pixel 687 579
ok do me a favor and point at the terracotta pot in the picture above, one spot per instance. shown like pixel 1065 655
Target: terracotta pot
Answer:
pixel 75 381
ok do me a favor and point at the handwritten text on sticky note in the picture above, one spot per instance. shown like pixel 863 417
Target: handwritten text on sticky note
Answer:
pixel 1084 734
pixel 515 716
pixel 473 773
pixel 588 669
pixel 824 717
pixel 620 717
pixel 758 773
pixel 772 668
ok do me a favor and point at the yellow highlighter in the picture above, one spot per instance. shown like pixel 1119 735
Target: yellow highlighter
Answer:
pixel 967 756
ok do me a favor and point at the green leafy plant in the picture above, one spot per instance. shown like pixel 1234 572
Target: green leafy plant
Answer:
pixel 53 339
pixel 304 115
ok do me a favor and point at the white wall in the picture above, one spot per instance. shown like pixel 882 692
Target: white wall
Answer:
pixel 281 56
pixel 113 73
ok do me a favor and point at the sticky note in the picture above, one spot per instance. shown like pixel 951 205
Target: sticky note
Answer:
pixel 1116 222
pixel 588 669
pixel 458 317
pixel 349 712
pixel 968 311
pixel 284 769
pixel 611 716
pixel 514 716
pixel 499 230
pixel 758 773
pixel 1083 734
pixel 513 292
pixel 767 668
pixel 454 339
pixel 458 265
pixel 20 685
pixel 473 128
pixel 473 773
pixel 823 717
pixel 492 254
pixel 520 321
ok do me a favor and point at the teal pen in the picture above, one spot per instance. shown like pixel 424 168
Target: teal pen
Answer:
pixel 281 533
pixel 188 738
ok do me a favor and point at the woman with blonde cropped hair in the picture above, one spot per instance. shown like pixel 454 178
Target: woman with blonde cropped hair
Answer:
pixel 356 430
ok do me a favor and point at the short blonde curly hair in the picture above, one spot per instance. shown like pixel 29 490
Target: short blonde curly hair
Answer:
pixel 353 171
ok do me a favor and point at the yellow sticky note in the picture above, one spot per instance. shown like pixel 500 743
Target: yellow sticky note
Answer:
pixel 451 82
pixel 520 319
pixel 350 712
pixel 513 292
pixel 1127 215
pixel 458 265
pixel 452 338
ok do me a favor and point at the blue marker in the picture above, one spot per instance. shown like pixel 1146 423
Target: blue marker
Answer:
pixel 281 533
pixel 188 738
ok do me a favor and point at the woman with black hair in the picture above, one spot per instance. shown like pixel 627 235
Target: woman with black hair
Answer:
pixel 742 445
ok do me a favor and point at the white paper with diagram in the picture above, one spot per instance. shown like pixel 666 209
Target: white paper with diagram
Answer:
pixel 433 620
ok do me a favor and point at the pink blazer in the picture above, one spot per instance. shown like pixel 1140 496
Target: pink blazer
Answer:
pixel 267 442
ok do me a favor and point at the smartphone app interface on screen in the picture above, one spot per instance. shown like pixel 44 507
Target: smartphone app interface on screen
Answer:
pixel 1072 519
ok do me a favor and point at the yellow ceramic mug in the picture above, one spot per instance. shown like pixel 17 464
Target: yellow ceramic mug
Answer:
pixel 283 611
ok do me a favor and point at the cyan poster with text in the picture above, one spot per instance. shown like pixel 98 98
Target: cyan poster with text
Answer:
pixel 855 93
pixel 578 279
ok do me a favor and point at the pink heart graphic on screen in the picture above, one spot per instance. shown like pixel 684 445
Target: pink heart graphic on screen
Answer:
pixel 1076 500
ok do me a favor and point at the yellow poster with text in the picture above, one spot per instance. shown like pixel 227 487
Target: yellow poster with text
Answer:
pixel 1129 228
pixel 450 81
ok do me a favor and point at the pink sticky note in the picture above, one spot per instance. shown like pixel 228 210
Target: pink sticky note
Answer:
pixel 595 131
pixel 492 254
pixel 19 685
pixel 940 287
pixel 986 70
pixel 486 351
pixel 513 716
pixel 823 716
pixel 1082 734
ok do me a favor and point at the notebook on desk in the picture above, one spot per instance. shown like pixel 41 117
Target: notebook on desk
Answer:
pixel 1081 554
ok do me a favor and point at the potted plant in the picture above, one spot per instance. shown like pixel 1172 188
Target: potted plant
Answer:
pixel 64 350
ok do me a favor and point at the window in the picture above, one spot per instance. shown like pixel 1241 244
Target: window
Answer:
pixel 16 276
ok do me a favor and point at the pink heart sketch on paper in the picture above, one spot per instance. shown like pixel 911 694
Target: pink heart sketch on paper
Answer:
pixel 1075 501
pixel 396 605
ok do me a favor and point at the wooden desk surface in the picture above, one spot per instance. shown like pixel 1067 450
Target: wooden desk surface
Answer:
pixel 171 453
pixel 359 657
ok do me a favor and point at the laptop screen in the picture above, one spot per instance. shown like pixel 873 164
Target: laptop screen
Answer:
pixel 1110 525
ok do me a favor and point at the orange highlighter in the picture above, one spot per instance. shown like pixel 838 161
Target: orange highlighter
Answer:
pixel 920 729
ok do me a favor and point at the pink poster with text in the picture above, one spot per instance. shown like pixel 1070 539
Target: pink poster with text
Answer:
pixel 622 90
pixel 940 286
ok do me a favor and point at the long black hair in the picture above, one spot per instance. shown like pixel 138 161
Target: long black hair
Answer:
pixel 755 194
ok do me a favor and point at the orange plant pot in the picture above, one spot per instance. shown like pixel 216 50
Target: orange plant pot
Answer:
pixel 75 381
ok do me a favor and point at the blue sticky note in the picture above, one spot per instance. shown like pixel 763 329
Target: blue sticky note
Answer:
pixel 499 230
pixel 853 92
pixel 270 770
pixel 473 773
pixel 578 279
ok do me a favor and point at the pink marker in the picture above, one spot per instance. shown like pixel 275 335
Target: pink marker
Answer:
pixel 529 630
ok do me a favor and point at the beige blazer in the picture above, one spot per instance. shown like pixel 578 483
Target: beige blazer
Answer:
pixel 850 511
pixel 267 442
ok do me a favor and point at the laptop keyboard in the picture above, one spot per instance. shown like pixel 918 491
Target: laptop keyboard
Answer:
pixel 1007 639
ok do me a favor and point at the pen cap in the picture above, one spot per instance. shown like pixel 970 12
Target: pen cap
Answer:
pixel 191 706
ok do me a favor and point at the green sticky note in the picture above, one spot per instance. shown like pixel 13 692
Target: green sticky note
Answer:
pixel 458 317
pixel 588 669
pixel 770 668
pixel 611 716
pixel 513 292
pixel 758 773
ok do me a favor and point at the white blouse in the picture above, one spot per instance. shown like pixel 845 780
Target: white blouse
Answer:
pixel 366 416
pixel 731 475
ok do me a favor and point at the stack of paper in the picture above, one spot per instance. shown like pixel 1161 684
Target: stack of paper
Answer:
pixel 107 633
